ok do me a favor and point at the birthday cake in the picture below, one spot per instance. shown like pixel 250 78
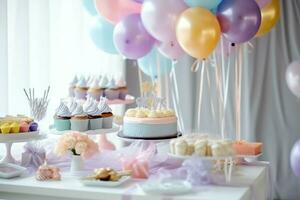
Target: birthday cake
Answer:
pixel 142 122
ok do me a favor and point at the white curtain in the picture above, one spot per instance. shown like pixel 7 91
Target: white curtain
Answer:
pixel 46 42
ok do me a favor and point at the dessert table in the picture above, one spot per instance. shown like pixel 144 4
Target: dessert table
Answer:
pixel 248 182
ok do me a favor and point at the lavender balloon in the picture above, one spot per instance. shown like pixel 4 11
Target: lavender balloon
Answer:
pixel 295 158
pixel 239 19
pixel 160 17
pixel 131 38
pixel 262 3
pixel 293 77
pixel 139 1
pixel 171 49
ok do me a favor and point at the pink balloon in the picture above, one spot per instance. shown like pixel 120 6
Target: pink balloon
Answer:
pixel 160 16
pixel 171 49
pixel 262 3
pixel 293 77
pixel 115 10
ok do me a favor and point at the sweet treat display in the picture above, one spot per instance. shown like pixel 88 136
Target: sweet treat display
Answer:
pixel 247 148
pixel 155 122
pixel 83 116
pixel 97 87
pixel 201 146
pixel 46 172
pixel 107 174
pixel 17 124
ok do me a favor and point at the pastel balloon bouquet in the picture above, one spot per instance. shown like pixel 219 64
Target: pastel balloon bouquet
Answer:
pixel 79 145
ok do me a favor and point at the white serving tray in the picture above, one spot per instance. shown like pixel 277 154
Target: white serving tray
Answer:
pixel 98 183
pixel 202 157
pixel 11 170
pixel 11 137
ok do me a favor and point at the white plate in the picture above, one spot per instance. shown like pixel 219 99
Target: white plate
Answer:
pixel 89 132
pixel 8 170
pixel 249 156
pixel 104 183
pixel 204 157
pixel 18 136
pixel 169 187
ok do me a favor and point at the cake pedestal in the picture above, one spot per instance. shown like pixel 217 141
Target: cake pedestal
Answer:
pixel 8 158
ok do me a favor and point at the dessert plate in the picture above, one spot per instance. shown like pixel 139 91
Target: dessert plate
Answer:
pixel 121 135
pixel 8 170
pixel 167 187
pixel 202 157
pixel 104 183
pixel 18 136
pixel 249 156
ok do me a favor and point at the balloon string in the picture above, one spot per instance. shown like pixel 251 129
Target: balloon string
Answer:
pixel 209 94
pixel 195 66
pixel 226 94
pixel 200 95
pixel 141 81
pixel 238 66
pixel 175 97
pixel 159 92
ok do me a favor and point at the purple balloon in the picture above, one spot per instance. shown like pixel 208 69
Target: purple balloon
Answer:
pixel 139 1
pixel 171 49
pixel 293 77
pixel 131 38
pixel 295 158
pixel 160 17
pixel 239 19
pixel 262 3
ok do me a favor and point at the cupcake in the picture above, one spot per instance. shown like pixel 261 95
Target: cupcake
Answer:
pixel 106 114
pixel 33 126
pixel 94 90
pixel 72 105
pixel 81 88
pixel 112 91
pixel 14 127
pixel 80 120
pixel 72 86
pixel 62 118
pixel 24 127
pixel 94 114
pixel 123 91
pixel 103 84
pixel 5 128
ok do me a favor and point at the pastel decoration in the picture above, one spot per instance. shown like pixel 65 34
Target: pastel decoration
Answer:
pixel 89 7
pixel 131 38
pixel 33 126
pixel 262 3
pixel 293 77
pixel 270 15
pixel 114 11
pixel 171 49
pixel 148 64
pixel 208 4
pixel 101 34
pixel 14 127
pixel 198 32
pixel 139 168
pixel 160 17
pixel 295 159
pixel 239 19
pixel 24 127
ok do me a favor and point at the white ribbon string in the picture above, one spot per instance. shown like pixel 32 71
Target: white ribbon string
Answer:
pixel 200 96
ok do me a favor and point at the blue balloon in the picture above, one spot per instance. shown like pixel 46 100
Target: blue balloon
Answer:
pixel 89 7
pixel 209 4
pixel 102 36
pixel 148 64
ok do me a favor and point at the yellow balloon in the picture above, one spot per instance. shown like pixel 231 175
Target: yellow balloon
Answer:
pixel 269 16
pixel 198 32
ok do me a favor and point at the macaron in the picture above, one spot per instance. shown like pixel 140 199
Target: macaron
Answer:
pixel 24 127
pixel 14 127
pixel 5 128
pixel 33 126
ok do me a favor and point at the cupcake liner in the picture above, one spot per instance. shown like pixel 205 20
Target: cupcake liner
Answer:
pixel 107 122
pixel 95 123
pixel 62 124
pixel 79 124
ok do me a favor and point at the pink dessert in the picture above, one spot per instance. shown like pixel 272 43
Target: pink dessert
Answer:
pixel 24 127
pixel 139 169
pixel 46 172
pixel 247 148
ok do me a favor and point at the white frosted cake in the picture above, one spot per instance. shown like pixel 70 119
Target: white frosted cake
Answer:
pixel 146 123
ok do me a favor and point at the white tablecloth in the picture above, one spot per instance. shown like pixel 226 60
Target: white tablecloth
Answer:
pixel 249 182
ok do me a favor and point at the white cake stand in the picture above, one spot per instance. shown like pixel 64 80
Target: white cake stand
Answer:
pixel 17 139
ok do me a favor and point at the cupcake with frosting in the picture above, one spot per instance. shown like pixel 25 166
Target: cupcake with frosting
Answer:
pixel 79 120
pixel 112 91
pixel 103 84
pixel 90 107
pixel 94 90
pixel 62 117
pixel 73 86
pixel 81 88
pixel 106 113
pixel 122 87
